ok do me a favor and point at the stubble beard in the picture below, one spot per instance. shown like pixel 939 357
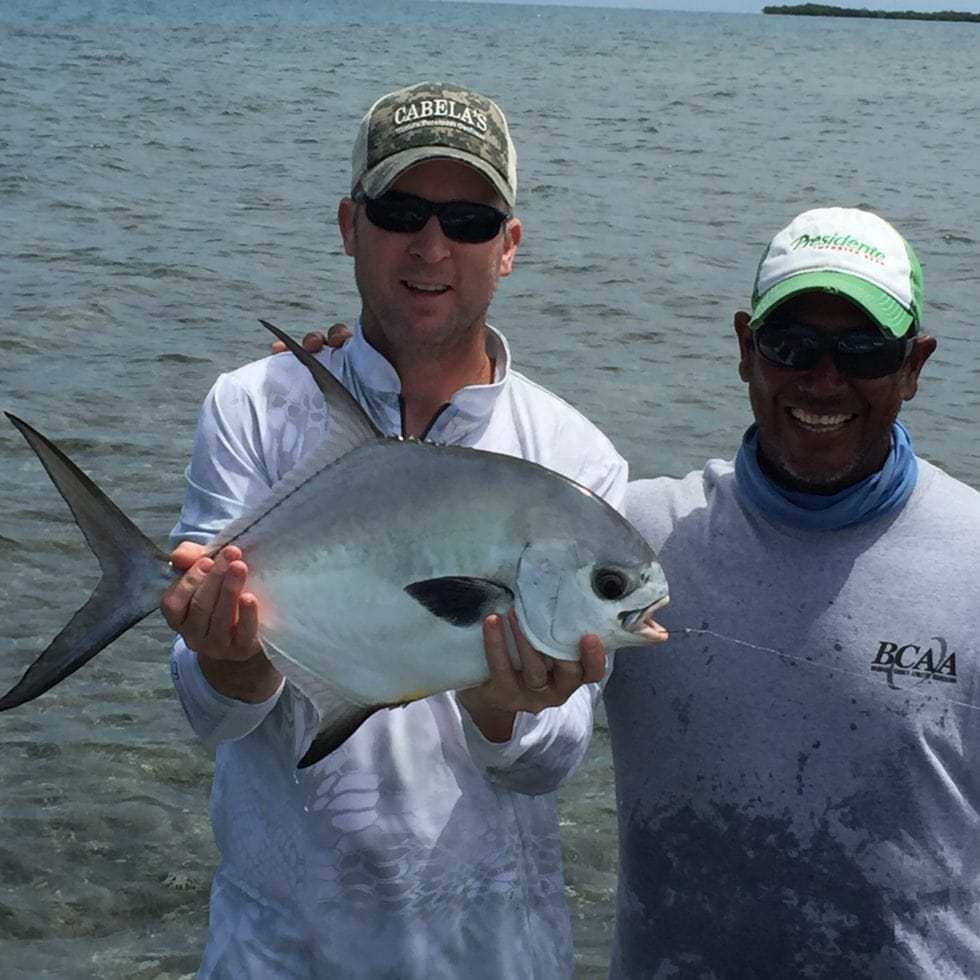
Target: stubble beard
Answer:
pixel 829 480
pixel 398 337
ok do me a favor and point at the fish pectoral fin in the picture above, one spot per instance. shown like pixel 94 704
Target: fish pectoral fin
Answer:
pixel 459 599
pixel 335 733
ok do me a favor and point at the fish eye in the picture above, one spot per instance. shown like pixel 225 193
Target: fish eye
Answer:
pixel 609 583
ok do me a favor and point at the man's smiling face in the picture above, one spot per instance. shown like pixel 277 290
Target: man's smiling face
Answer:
pixel 819 430
pixel 423 293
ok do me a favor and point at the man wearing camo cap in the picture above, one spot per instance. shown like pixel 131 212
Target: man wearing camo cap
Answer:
pixel 427 845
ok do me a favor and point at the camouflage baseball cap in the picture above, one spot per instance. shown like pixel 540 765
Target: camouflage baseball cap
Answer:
pixel 432 121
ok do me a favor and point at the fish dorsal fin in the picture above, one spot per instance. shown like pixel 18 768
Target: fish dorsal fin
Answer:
pixel 461 600
pixel 350 425
pixel 310 465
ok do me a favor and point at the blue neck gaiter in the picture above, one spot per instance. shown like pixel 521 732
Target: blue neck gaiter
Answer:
pixel 874 496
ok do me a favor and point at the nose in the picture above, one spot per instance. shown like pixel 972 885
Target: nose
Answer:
pixel 429 243
pixel 823 376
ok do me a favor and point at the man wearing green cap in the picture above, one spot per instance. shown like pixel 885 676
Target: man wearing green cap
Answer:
pixel 796 786
pixel 427 844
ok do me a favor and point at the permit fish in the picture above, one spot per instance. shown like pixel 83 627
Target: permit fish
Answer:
pixel 374 561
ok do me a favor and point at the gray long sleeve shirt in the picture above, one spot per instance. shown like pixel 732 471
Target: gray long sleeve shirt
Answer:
pixel 812 814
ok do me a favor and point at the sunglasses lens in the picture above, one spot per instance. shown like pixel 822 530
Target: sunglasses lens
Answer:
pixel 470 223
pixel 789 345
pixel 862 354
pixel 397 213
pixel 461 221
pixel 857 354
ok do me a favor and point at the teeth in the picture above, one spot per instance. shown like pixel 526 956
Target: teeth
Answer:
pixel 424 288
pixel 816 421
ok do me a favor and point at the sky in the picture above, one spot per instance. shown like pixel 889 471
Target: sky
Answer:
pixel 754 6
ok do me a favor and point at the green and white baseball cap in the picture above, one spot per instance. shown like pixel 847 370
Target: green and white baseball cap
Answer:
pixel 431 121
pixel 849 252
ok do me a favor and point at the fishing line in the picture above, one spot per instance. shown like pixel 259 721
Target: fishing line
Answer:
pixel 913 688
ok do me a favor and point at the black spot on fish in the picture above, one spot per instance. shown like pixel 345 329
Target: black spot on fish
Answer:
pixel 460 600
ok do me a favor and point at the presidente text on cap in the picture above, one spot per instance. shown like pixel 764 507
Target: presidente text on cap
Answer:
pixel 847 251
pixel 430 121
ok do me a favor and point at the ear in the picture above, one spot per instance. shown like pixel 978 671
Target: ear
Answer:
pixel 922 348
pixel 512 238
pixel 746 349
pixel 345 221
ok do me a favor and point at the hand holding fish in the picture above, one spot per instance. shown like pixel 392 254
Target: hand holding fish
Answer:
pixel 541 682
pixel 219 621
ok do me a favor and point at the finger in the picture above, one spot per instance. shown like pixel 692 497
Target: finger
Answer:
pixel 569 675
pixel 224 615
pixel 203 602
pixel 593 659
pixel 566 678
pixel 502 689
pixel 176 600
pixel 186 554
pixel 495 647
pixel 247 630
pixel 314 342
pixel 535 675
pixel 338 335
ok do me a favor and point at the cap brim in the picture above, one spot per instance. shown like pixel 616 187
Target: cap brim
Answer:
pixel 378 179
pixel 883 308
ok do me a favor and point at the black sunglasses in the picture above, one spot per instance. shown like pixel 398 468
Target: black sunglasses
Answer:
pixel 856 353
pixel 461 221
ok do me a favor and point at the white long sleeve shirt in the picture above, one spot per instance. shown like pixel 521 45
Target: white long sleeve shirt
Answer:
pixel 417 849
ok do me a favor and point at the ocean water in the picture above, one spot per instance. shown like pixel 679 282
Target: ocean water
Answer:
pixel 170 172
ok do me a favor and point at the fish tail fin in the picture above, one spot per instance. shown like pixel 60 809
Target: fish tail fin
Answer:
pixel 134 574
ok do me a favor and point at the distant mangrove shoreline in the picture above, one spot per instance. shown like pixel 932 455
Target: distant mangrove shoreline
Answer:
pixel 823 10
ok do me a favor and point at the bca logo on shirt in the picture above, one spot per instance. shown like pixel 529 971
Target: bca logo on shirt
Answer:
pixel 931 662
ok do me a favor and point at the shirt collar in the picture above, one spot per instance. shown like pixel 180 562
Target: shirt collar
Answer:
pixel 373 374
pixel 882 492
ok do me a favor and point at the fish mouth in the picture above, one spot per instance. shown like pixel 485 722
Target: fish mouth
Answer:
pixel 641 622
